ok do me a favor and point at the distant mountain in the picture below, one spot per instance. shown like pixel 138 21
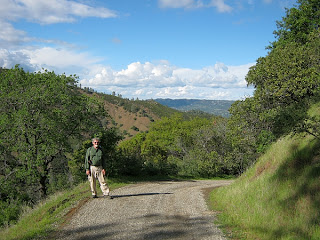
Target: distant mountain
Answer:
pixel 216 107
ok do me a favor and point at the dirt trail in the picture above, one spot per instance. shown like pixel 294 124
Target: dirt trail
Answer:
pixel 156 210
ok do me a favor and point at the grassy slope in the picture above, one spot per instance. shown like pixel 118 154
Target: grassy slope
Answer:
pixel 47 216
pixel 279 197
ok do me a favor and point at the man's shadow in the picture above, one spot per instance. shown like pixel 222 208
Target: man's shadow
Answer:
pixel 138 194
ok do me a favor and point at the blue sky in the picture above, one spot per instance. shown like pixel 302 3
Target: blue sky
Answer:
pixel 196 49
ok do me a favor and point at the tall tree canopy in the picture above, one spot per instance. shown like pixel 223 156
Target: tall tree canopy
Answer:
pixel 40 113
pixel 286 81
pixel 289 76
pixel 298 23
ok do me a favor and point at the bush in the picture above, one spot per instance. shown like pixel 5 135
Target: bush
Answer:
pixel 9 212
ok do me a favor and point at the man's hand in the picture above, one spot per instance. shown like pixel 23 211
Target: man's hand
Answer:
pixel 103 172
pixel 88 172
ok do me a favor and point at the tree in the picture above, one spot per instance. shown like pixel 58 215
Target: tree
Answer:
pixel 40 114
pixel 289 74
pixel 287 79
pixel 109 139
pixel 298 23
pixel 205 156
pixel 249 132
pixel 195 147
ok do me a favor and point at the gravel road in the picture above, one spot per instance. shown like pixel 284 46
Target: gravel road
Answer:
pixel 155 210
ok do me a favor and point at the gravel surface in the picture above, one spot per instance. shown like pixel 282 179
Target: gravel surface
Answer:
pixel 156 210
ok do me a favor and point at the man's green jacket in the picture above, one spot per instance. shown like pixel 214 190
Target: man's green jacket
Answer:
pixel 96 156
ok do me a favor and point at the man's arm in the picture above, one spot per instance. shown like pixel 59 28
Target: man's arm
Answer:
pixel 103 163
pixel 86 162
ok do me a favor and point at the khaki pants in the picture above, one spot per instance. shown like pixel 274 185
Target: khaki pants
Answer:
pixel 97 174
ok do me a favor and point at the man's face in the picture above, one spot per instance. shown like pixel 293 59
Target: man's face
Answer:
pixel 95 143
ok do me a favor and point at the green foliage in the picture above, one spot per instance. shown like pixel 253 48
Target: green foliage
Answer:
pixel 45 218
pixel 298 23
pixel 76 163
pixel 135 128
pixel 312 124
pixel 174 146
pixel 286 82
pixel 129 161
pixel 287 79
pixel 247 132
pixel 41 113
pixel 288 75
pixel 109 139
pixel 279 197
pixel 9 212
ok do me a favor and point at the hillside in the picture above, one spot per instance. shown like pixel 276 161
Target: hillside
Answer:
pixel 279 197
pixel 134 116
pixel 215 107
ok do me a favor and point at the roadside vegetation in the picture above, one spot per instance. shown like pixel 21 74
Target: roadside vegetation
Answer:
pixel 39 222
pixel 278 198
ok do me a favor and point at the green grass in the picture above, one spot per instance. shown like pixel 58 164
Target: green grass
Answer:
pixel 40 221
pixel 278 198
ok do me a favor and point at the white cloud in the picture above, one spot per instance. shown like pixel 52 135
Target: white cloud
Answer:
pixel 49 12
pixel 176 4
pixel 188 92
pixel 58 60
pixel 9 36
pixel 163 74
pixel 17 47
pixel 153 80
pixel 58 57
pixel 42 12
pixel 219 4
pixel 10 59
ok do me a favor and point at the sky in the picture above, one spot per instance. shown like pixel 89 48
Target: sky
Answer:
pixel 143 49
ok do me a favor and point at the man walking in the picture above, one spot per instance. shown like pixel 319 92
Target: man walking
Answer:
pixel 95 165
